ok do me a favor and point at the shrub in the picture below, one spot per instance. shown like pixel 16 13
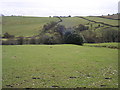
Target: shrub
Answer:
pixel 71 37
pixel 81 27
pixel 110 35
pixel 20 40
pixel 101 36
pixel 7 35
pixel 49 26
pixel 60 29
pixel 90 36
pixel 32 41
pixel 45 39
pixel 9 42
pixel 26 41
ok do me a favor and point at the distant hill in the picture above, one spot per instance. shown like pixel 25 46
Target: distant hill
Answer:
pixel 29 26
pixel 24 26
pixel 114 16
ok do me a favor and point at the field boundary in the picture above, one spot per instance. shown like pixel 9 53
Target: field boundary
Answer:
pixel 99 22
pixel 108 18
pixel 104 46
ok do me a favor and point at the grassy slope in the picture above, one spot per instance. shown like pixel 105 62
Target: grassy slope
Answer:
pixel 104 20
pixel 107 21
pixel 73 21
pixel 107 45
pixel 55 64
pixel 115 16
pixel 28 26
pixel 25 26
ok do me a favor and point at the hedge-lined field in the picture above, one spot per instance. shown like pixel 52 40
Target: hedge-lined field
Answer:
pixel 107 21
pixel 24 26
pixel 108 45
pixel 29 26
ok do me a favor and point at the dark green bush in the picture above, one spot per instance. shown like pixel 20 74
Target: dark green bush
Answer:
pixel 71 37
pixel 32 41
pixel 20 40
pixel 81 27
pixel 7 35
pixel 48 26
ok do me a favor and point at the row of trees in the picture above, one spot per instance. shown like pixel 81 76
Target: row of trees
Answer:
pixel 7 35
pixel 54 33
pixel 101 36
pixel 51 33
pixel 59 34
pixel 69 38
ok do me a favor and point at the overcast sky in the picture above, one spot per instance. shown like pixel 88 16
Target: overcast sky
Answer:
pixel 58 7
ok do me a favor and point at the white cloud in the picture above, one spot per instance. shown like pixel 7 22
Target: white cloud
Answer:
pixel 58 7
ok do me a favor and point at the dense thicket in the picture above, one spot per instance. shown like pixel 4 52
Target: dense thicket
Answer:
pixel 101 36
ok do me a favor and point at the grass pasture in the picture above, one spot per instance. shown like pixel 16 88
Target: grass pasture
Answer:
pixel 73 21
pixel 29 26
pixel 24 26
pixel 59 66
pixel 108 45
pixel 107 21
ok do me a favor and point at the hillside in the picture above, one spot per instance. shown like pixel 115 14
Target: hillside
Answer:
pixel 67 52
pixel 73 21
pixel 103 20
pixel 114 16
pixel 24 26
pixel 97 29
pixel 28 26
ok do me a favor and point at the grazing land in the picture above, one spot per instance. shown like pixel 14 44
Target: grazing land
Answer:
pixel 29 26
pixel 108 45
pixel 105 20
pixel 115 16
pixel 28 63
pixel 24 26
pixel 73 21
pixel 59 66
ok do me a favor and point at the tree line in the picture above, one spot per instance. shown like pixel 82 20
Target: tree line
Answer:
pixel 54 33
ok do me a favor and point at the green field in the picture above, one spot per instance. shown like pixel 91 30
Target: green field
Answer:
pixel 29 26
pixel 107 21
pixel 73 21
pixel 108 45
pixel 59 66
pixel 24 26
